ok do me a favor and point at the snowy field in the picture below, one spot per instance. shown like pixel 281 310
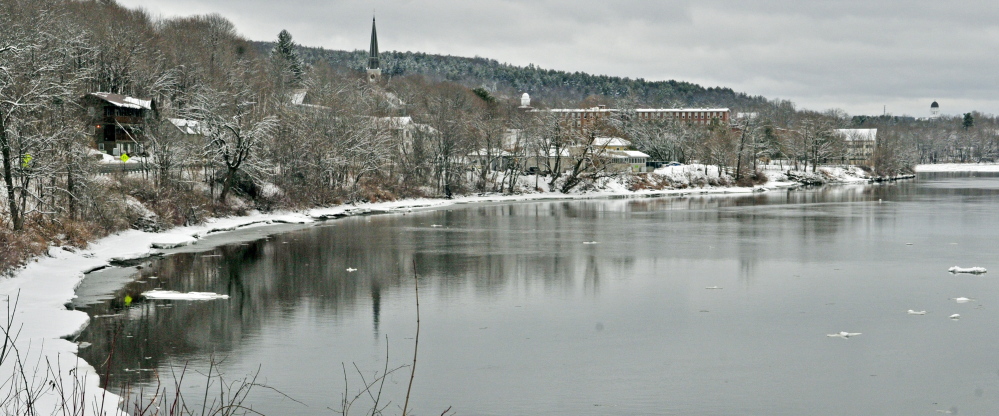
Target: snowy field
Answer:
pixel 43 287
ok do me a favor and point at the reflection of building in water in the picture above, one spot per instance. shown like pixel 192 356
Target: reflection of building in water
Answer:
pixel 591 279
pixel 376 304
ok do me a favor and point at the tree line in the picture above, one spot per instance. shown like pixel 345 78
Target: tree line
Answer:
pixel 275 129
pixel 553 86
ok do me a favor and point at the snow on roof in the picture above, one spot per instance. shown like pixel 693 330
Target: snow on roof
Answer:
pixel 298 96
pixel 859 134
pixel 186 126
pixel 611 142
pixel 627 153
pixel 124 101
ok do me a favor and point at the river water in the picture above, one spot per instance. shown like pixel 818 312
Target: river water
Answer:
pixel 590 307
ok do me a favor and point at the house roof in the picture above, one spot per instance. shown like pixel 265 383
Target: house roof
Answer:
pixel 186 126
pixel 626 153
pixel 611 142
pixel 123 101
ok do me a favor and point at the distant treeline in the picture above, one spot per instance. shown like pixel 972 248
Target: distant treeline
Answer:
pixel 550 85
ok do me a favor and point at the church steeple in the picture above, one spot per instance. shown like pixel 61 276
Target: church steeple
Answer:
pixel 374 67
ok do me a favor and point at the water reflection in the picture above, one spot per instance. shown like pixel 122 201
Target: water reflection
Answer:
pixel 506 283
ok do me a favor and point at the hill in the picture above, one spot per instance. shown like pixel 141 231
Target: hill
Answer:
pixel 550 85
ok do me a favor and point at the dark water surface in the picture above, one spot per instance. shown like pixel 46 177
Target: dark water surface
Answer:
pixel 519 316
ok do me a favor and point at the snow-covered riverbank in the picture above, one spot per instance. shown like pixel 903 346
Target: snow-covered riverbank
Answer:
pixel 958 167
pixel 47 284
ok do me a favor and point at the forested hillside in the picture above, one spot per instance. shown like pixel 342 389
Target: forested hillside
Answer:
pixel 548 85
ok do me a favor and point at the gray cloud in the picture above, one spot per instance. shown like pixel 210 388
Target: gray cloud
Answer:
pixel 854 55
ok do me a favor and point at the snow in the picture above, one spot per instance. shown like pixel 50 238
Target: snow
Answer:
pixel 43 288
pixel 174 295
pixel 172 241
pixel 46 285
pixel 970 270
pixel 958 167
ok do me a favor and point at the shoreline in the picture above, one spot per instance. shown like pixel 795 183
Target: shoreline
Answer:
pixel 42 289
pixel 47 284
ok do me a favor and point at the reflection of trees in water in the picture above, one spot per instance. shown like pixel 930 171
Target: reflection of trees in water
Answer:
pixel 304 272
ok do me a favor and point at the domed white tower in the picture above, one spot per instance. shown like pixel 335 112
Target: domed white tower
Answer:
pixel 525 100
pixel 934 110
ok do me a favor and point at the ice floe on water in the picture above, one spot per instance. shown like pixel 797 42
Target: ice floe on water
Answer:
pixel 174 295
pixel 843 334
pixel 971 270
pixel 962 299
pixel 914 312
pixel 955 316
pixel 590 242
pixel 713 287
pixel 351 270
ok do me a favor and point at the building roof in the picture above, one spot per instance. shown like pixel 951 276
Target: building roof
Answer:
pixel 934 105
pixel 186 126
pixel 373 49
pixel 611 142
pixel 620 154
pixel 123 101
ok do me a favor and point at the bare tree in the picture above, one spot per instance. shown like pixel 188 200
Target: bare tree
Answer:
pixel 38 77
pixel 235 125
pixel 449 110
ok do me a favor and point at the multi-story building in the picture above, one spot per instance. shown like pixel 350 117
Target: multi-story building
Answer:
pixel 860 145
pixel 117 122
pixel 583 118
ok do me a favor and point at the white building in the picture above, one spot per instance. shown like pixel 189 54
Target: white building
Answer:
pixel 860 144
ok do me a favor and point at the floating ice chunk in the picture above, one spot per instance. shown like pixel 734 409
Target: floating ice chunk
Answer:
pixel 962 299
pixel 955 316
pixel 351 270
pixel 713 287
pixel 591 242
pixel 436 225
pixel 843 334
pixel 971 270
pixel 912 312
pixel 174 295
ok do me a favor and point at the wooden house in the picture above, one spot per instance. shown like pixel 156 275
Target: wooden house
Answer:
pixel 117 122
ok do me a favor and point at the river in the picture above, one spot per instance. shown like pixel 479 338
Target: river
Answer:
pixel 698 305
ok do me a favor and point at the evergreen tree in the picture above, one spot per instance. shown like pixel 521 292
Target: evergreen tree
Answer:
pixel 290 63
pixel 969 121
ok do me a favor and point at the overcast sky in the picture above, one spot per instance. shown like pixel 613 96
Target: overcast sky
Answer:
pixel 858 56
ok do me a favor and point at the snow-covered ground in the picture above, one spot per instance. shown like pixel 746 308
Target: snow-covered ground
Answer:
pixel 958 167
pixel 46 285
